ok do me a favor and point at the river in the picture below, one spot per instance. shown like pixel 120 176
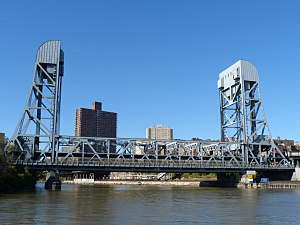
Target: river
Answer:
pixel 129 204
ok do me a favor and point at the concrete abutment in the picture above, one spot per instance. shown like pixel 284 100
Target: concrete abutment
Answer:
pixel 53 181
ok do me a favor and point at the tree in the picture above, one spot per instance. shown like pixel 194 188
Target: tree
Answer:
pixel 2 141
pixel 2 145
pixel 13 178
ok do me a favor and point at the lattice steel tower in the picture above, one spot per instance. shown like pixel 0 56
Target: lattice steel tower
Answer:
pixel 37 132
pixel 242 115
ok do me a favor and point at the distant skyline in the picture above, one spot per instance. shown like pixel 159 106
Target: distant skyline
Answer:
pixel 162 57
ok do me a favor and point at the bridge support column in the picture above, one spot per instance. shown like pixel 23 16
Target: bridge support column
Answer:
pixel 52 181
pixel 248 180
pixel 228 179
pixel 296 174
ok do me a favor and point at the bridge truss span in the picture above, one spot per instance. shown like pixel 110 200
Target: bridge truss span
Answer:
pixel 95 154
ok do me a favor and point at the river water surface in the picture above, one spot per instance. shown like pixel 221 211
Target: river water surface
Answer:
pixel 126 204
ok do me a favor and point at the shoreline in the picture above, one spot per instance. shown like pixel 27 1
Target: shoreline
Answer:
pixel 189 183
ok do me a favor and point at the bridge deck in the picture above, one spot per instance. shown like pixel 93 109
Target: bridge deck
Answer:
pixel 148 166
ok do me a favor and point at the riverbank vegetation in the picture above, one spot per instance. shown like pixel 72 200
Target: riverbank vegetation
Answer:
pixel 14 178
pixel 198 175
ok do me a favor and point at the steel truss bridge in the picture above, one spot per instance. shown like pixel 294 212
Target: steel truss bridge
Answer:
pixel 246 142
pixel 144 155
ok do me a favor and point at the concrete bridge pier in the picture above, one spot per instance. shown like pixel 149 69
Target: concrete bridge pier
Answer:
pixel 235 179
pixel 52 181
pixel 228 179
pixel 296 174
pixel 251 178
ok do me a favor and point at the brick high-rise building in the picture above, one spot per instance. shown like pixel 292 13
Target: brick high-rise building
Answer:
pixel 96 123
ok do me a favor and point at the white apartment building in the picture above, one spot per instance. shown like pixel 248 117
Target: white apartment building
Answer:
pixel 159 132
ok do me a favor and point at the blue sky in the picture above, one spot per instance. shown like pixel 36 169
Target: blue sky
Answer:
pixel 154 62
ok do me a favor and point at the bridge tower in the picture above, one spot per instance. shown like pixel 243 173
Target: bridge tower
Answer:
pixel 243 119
pixel 37 132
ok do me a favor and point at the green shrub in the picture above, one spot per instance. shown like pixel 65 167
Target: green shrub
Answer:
pixel 13 178
pixel 198 175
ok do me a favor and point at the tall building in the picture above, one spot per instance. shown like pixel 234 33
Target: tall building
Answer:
pixel 95 123
pixel 159 132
